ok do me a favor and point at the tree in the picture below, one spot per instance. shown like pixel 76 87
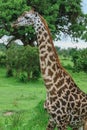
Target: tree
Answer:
pixel 62 16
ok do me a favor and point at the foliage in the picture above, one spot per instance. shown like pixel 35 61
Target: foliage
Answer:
pixel 79 59
pixel 2 58
pixel 61 15
pixel 25 60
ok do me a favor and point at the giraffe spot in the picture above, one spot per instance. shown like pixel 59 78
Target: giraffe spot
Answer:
pixel 63 109
pixel 53 91
pixel 60 91
pixel 72 105
pixel 49 63
pixel 64 74
pixel 78 104
pixel 40 32
pixel 41 41
pixel 53 115
pixel 53 99
pixel 55 78
pixel 48 86
pixel 71 98
pixel 52 58
pixel 59 113
pixel 50 73
pixel 63 102
pixel 68 92
pixel 49 49
pixel 68 80
pixel 58 104
pixel 45 34
pixel 41 47
pixel 54 67
pixel 75 96
pixel 48 40
pixel 43 70
pixel 42 58
pixel 60 83
pixel 42 29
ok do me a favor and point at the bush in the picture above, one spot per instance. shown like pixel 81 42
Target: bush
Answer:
pixel 9 72
pixel 23 77
pixel 2 58
pixel 79 59
pixel 24 59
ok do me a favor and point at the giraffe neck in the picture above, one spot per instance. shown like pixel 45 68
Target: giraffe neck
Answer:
pixel 49 62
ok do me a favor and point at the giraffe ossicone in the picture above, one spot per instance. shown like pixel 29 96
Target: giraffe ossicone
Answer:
pixel 66 103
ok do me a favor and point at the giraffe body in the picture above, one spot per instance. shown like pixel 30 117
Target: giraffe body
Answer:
pixel 66 103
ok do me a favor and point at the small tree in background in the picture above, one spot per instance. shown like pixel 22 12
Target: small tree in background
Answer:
pixel 24 60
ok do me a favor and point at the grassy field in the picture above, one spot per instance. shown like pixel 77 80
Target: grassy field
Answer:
pixel 21 104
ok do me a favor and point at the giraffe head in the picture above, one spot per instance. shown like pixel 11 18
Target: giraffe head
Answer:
pixel 26 19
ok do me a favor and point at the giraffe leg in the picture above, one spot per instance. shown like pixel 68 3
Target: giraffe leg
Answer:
pixel 51 124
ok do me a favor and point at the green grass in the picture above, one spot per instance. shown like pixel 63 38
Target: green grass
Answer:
pixel 26 100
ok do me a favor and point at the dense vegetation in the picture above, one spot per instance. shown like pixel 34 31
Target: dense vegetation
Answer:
pixel 23 62
pixel 62 16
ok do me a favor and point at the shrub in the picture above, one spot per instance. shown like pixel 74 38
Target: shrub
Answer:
pixel 24 59
pixel 79 59
pixel 23 77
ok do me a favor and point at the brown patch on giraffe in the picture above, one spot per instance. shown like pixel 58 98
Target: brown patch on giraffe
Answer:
pixel 71 98
pixel 48 86
pixel 53 99
pixel 54 67
pixel 50 72
pixel 75 96
pixel 52 58
pixel 41 41
pixel 40 32
pixel 45 34
pixel 72 105
pixel 49 63
pixel 49 49
pixel 60 83
pixel 63 102
pixel 78 104
pixel 43 70
pixel 68 80
pixel 53 91
pixel 56 77
pixel 42 58
pixel 43 46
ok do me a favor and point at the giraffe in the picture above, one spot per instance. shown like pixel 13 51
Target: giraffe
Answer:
pixel 65 103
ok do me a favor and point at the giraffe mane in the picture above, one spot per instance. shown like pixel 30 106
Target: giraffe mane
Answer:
pixel 51 40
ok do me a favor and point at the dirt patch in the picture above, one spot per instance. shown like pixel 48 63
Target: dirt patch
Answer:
pixel 8 113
